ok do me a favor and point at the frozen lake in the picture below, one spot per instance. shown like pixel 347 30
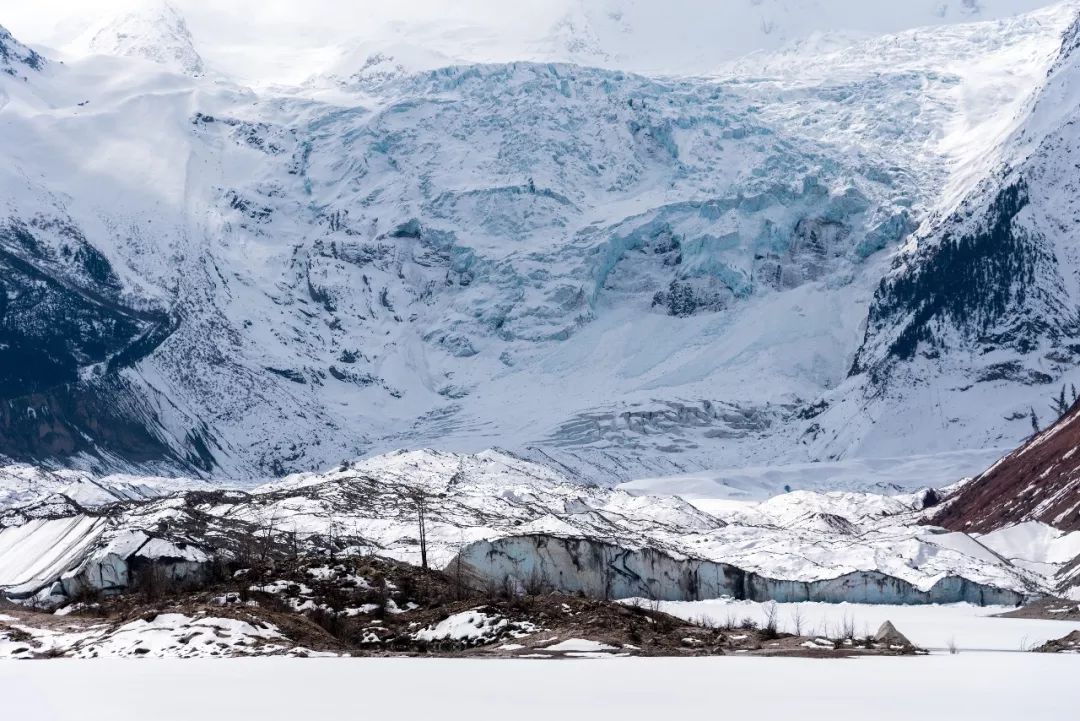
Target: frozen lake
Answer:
pixel 972 628
pixel 980 686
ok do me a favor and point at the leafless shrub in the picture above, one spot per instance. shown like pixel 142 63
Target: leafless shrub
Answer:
pixel 267 545
pixel 86 595
pixel 153 583
pixel 705 621
pixel 500 591
pixel 847 628
pixel 952 647
pixel 537 584
pixel 797 619
pixel 768 629
pixel 654 595
pixel 333 623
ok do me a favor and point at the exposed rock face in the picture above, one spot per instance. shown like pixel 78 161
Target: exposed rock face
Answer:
pixel 604 571
pixel 134 559
pixel 67 333
pixel 16 57
pixel 986 285
pixel 1038 482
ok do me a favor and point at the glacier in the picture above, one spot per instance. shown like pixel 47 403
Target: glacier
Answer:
pixel 501 519
pixel 260 281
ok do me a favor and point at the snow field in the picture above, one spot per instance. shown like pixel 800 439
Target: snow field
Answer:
pixel 975 687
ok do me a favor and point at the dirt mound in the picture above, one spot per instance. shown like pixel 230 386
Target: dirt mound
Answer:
pixel 1068 644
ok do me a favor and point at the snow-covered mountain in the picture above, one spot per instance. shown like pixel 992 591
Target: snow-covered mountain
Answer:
pixel 155 31
pixel 673 38
pixel 619 273
pixel 16 58
pixel 979 312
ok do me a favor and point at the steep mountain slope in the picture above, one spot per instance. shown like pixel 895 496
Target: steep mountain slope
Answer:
pixel 16 58
pixel 976 325
pixel 239 284
pixel 1040 481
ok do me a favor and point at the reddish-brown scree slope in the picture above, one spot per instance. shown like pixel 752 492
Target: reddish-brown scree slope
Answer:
pixel 1040 481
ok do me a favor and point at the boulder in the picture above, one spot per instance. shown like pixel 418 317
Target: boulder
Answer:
pixel 889 636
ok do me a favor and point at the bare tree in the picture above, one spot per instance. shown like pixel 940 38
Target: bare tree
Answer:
pixel 335 535
pixel 797 619
pixel 847 627
pixel 459 575
pixel 607 570
pixel 419 498
pixel 652 589
pixel 268 538
pixel 769 629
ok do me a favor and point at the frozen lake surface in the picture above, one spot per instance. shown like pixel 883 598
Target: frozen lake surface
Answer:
pixel 970 628
pixel 982 686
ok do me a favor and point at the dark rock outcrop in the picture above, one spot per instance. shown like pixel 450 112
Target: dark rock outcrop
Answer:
pixel 14 56
pixel 66 333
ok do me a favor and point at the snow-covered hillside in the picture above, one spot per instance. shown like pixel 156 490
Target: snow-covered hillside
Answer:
pixel 979 314
pixel 502 517
pixel 202 277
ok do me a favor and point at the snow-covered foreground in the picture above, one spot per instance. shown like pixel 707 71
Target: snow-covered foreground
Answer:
pixel 970 628
pixel 937 687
